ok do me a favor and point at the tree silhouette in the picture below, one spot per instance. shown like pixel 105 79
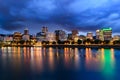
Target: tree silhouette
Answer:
pixel 79 41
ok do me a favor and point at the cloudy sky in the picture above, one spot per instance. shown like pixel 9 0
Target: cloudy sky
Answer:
pixel 84 15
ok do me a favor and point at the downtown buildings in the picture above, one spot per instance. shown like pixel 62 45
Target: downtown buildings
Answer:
pixel 59 35
pixel 104 34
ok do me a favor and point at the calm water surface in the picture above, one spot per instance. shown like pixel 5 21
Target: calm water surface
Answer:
pixel 37 63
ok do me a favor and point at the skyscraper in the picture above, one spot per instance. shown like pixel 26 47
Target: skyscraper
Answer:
pixel 106 34
pixel 50 37
pixel 41 36
pixel 26 35
pixel 60 35
pixel 44 29
pixel 17 36
pixel 74 34
pixel 26 31
pixel 89 35
pixel 97 34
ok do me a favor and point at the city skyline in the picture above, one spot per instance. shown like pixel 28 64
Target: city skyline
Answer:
pixel 44 35
pixel 67 32
pixel 84 15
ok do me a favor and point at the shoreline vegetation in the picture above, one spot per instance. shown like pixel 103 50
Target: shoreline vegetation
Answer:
pixel 79 44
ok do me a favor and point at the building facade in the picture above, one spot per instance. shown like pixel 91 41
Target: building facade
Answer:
pixel 41 36
pixel 8 38
pixel 106 34
pixel 26 36
pixel 116 37
pixel 17 36
pixel 74 34
pixel 89 35
pixel 60 35
pixel 97 34
pixel 44 29
pixel 50 37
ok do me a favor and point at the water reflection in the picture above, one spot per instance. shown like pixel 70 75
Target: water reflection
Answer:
pixel 76 58
pixel 36 59
pixel 107 63
pixel 11 57
pixel 71 57
pixel 102 60
pixel 91 59
pixel 39 59
pixel 51 58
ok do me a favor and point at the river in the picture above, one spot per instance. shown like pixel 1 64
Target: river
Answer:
pixel 37 63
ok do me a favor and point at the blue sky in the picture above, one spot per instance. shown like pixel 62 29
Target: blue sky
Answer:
pixel 84 15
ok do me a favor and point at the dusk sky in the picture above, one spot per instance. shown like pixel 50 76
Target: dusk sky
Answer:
pixel 84 15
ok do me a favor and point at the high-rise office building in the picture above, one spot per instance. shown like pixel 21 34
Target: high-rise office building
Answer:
pixel 60 35
pixel 17 36
pixel 50 37
pixel 69 36
pixel 44 29
pixel 89 35
pixel 26 31
pixel 41 36
pixel 74 34
pixel 26 35
pixel 97 34
pixel 105 34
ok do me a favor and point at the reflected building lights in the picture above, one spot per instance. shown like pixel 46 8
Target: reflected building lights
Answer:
pixel 76 58
pixel 16 56
pixel 57 53
pixel 26 56
pixel 2 50
pixel 91 59
pixel 66 57
pixel 44 51
pixel 112 55
pixel 4 57
pixel 37 59
pixel 32 53
pixel 107 63
pixel 19 50
pixel 13 55
pixel 51 58
pixel 102 54
pixel 26 52
pixel 9 52
pixel 88 57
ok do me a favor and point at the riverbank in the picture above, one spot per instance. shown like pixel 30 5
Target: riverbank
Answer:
pixel 68 45
pixel 83 46
pixel 17 46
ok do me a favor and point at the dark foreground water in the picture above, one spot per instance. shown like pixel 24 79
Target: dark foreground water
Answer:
pixel 59 64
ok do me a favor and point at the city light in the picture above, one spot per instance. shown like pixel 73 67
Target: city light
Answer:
pixel 59 37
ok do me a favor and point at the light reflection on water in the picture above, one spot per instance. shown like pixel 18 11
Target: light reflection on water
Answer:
pixel 107 63
pixel 38 60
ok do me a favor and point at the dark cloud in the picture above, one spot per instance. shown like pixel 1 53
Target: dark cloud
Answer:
pixel 85 15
